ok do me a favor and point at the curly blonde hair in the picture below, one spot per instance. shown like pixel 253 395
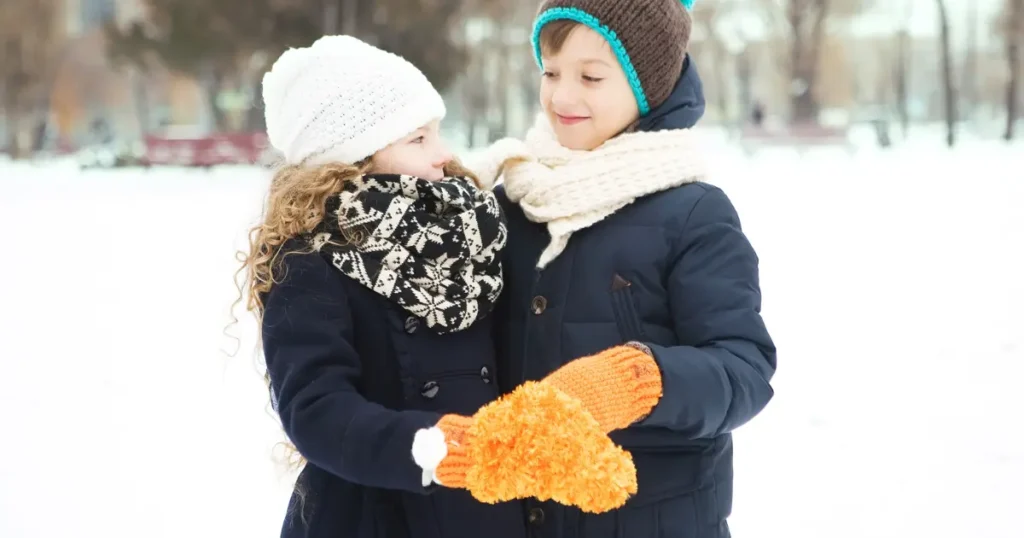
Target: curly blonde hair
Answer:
pixel 295 206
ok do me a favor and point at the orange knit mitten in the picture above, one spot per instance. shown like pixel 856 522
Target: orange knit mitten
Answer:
pixel 535 442
pixel 618 386
pixel 453 468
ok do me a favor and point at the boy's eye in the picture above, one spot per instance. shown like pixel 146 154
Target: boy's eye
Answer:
pixel 549 74
pixel 592 79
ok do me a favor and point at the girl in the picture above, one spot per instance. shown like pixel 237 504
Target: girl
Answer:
pixel 373 274
pixel 613 239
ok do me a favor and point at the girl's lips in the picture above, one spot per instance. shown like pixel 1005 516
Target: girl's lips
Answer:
pixel 570 120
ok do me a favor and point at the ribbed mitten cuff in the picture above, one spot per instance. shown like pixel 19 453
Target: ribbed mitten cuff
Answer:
pixel 618 386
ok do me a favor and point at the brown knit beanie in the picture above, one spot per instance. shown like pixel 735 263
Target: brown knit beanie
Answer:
pixel 649 37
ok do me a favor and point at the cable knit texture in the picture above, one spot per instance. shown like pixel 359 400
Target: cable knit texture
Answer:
pixel 342 100
pixel 536 442
pixel 618 386
pixel 571 190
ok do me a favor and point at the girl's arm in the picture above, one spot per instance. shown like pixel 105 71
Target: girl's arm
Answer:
pixel 314 370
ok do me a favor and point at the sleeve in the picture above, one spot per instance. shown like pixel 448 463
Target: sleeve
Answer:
pixel 314 373
pixel 719 378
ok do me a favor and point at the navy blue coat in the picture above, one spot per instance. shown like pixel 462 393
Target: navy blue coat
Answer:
pixel 672 270
pixel 353 378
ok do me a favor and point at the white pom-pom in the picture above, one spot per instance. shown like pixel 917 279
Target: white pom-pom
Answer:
pixel 428 451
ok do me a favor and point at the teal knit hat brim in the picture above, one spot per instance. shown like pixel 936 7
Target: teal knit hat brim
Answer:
pixel 588 20
pixel 584 18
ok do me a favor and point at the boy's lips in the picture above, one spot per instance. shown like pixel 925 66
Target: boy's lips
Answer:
pixel 570 120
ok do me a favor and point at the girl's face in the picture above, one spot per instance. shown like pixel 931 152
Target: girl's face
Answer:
pixel 421 154
pixel 584 92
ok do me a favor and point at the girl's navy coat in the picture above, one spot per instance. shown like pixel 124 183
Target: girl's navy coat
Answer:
pixel 353 378
pixel 672 270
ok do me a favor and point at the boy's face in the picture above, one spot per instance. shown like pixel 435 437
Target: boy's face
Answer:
pixel 422 153
pixel 585 93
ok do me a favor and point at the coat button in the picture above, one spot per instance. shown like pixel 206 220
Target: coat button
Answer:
pixel 485 374
pixel 430 389
pixel 411 323
pixel 539 305
pixel 536 516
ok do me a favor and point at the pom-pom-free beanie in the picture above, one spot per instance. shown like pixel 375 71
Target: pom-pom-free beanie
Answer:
pixel 342 100
pixel 649 37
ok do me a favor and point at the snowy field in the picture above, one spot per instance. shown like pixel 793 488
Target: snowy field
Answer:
pixel 892 284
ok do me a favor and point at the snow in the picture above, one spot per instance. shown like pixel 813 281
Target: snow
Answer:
pixel 891 283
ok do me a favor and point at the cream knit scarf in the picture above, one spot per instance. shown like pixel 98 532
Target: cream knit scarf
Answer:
pixel 572 190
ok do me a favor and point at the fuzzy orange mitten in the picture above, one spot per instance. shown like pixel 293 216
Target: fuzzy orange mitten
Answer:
pixel 535 442
pixel 618 386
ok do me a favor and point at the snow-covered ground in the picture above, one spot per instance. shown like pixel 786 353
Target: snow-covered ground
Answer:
pixel 892 284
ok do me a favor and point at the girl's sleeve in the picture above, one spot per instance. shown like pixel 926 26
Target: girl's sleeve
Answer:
pixel 314 371
pixel 719 379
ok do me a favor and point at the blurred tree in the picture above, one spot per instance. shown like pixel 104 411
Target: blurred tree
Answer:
pixel 806 23
pixel 30 50
pixel 225 44
pixel 949 91
pixel 970 66
pixel 500 84
pixel 421 31
pixel 1011 26
pixel 213 42
pixel 708 41
pixel 901 78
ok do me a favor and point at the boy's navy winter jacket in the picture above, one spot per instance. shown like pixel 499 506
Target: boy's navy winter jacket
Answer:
pixel 672 270
pixel 353 378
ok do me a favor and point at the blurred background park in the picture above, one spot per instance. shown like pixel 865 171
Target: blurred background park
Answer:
pixel 80 74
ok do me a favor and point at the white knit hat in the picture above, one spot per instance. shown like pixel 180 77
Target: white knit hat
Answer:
pixel 342 100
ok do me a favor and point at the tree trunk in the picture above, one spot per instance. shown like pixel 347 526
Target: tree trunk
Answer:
pixel 901 80
pixel 330 17
pixel 969 76
pixel 949 92
pixel 255 120
pixel 16 136
pixel 746 93
pixel 212 87
pixel 1013 45
pixel 719 54
pixel 805 56
pixel 799 87
pixel 139 82
pixel 504 80
pixel 349 17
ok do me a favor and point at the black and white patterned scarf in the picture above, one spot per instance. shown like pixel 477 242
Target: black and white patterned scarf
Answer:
pixel 434 248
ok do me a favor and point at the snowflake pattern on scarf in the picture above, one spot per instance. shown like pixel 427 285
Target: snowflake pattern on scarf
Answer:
pixel 433 248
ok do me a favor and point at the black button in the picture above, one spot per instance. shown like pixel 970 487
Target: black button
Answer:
pixel 429 389
pixel 485 374
pixel 539 305
pixel 411 323
pixel 536 516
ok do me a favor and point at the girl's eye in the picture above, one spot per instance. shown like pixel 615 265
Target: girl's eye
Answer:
pixel 417 140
